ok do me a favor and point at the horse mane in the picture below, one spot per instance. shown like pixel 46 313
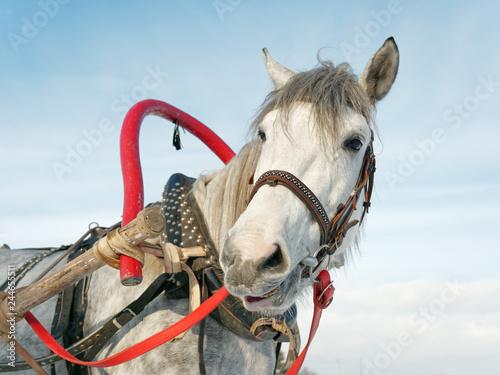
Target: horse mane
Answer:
pixel 222 194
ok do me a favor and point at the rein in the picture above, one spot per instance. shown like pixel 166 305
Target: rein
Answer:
pixel 138 349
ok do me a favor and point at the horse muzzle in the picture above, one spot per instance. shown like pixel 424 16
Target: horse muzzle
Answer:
pixel 256 280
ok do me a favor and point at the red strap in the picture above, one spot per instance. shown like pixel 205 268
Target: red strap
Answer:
pixel 323 295
pixel 138 349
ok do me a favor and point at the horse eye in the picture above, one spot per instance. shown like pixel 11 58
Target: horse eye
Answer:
pixel 262 135
pixel 355 144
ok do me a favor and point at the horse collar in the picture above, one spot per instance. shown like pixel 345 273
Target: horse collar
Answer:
pixel 182 228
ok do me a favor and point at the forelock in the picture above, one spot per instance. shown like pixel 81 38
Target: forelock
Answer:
pixel 330 89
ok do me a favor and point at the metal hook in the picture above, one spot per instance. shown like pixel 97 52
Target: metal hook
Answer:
pixel 312 261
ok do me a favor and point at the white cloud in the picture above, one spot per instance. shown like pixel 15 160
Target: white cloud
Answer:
pixel 449 326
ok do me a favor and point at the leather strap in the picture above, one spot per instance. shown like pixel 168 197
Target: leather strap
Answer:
pixel 203 324
pixel 62 312
pixel 106 332
pixel 240 320
pixel 278 177
pixel 194 296
pixel 171 257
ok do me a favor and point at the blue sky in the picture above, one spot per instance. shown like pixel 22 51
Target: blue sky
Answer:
pixel 436 206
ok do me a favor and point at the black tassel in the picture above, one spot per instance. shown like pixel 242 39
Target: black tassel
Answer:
pixel 176 141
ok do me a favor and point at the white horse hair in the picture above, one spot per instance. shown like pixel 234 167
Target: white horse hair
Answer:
pixel 315 125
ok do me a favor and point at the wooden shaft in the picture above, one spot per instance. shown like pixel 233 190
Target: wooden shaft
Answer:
pixel 149 224
pixel 56 282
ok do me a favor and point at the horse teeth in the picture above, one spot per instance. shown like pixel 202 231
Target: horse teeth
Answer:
pixel 272 292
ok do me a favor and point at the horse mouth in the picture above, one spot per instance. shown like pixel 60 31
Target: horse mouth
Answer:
pixel 267 300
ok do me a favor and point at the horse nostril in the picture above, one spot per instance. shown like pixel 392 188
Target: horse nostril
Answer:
pixel 273 261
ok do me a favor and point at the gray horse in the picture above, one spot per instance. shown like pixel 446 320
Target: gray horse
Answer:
pixel 316 125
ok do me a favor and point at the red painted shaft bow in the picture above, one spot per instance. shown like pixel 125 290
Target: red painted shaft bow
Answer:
pixel 130 269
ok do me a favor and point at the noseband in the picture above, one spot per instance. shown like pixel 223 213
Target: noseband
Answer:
pixel 332 231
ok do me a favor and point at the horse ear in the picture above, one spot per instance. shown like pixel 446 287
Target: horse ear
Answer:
pixel 381 70
pixel 279 74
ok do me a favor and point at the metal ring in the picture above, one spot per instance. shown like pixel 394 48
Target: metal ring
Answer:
pixel 96 225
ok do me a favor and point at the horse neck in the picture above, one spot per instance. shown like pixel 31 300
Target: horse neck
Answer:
pixel 221 194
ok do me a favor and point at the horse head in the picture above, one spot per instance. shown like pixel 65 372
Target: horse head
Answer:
pixel 316 126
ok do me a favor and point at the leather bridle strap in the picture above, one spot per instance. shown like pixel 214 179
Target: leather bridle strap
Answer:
pixel 332 231
pixel 277 177
pixel 340 223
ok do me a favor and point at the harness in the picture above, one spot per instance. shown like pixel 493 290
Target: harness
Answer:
pixel 185 227
pixel 207 268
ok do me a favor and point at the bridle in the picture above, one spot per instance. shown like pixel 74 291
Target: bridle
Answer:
pixel 332 231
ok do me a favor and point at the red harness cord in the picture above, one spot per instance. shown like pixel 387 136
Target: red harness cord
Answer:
pixel 138 349
pixel 323 296
pixel 130 269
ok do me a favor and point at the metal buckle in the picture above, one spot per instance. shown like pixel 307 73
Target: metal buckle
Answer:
pixel 323 292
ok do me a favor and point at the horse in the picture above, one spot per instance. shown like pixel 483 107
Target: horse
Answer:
pixel 264 213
